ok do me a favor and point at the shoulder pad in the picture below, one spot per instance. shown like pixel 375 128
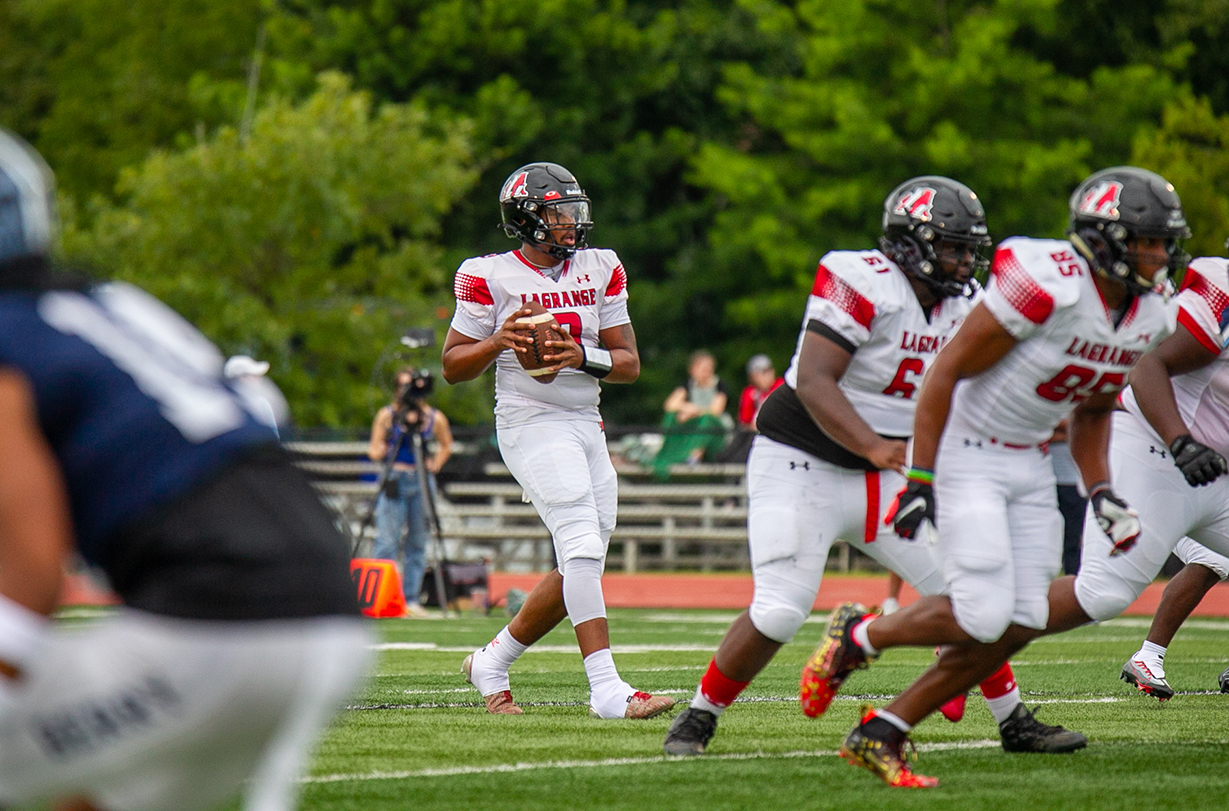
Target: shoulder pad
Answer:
pixel 859 269
pixel 1039 275
pixel 1210 274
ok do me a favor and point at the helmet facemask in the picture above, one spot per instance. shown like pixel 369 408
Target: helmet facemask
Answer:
pixel 550 224
pixel 946 263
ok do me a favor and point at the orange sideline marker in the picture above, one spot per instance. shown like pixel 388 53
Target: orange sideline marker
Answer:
pixel 378 585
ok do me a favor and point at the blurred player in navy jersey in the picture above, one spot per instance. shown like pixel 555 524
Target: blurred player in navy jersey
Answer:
pixel 239 635
pixel 550 434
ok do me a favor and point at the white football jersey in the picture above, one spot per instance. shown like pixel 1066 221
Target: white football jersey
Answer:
pixel 1203 395
pixel 863 302
pixel 591 295
pixel 1042 292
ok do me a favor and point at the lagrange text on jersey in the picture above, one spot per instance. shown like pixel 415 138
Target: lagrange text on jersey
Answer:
pixel 551 301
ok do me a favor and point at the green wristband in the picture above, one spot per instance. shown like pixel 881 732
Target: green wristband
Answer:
pixel 920 474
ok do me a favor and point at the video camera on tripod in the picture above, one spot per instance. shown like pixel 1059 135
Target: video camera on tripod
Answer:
pixel 408 401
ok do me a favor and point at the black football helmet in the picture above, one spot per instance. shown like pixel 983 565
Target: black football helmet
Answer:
pixel 931 226
pixel 1114 205
pixel 27 201
pixel 540 200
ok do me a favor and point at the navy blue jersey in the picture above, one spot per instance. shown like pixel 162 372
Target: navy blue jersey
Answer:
pixel 130 397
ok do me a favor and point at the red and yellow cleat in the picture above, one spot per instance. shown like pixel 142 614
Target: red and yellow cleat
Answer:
pixel 882 753
pixel 836 657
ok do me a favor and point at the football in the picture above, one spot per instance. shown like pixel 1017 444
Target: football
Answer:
pixel 541 326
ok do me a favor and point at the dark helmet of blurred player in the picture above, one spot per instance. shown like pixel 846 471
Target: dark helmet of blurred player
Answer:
pixel 934 229
pixel 540 204
pixel 27 201
pixel 1116 205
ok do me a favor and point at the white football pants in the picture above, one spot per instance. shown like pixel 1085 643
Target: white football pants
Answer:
pixel 798 505
pixel 1144 475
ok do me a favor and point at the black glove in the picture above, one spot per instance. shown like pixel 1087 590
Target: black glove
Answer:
pixel 914 504
pixel 1198 463
pixel 1117 520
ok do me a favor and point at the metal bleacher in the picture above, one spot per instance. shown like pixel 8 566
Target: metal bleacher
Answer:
pixel 695 521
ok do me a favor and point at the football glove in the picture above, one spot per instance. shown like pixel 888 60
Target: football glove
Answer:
pixel 1117 520
pixel 914 504
pixel 1198 463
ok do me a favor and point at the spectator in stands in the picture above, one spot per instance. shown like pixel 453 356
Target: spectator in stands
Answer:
pixel 247 378
pixel 762 381
pixel 400 503
pixel 696 421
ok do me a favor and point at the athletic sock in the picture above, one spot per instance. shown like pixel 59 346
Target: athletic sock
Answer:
pixel 489 665
pixel 716 691
pixel 608 694
pixel 894 720
pixel 1003 706
pixel 503 650
pixel 1001 692
pixel 862 640
pixel 1152 655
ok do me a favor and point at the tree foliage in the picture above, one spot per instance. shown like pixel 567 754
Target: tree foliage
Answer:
pixel 887 90
pixel 726 145
pixel 311 244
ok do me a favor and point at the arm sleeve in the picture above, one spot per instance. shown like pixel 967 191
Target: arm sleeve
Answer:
pixel 475 313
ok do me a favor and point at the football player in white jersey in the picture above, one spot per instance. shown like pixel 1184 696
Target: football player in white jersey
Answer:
pixel 832 443
pixel 550 434
pixel 1060 326
pixel 1167 458
pixel 1203 569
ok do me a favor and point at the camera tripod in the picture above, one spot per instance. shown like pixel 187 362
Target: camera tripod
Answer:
pixel 436 555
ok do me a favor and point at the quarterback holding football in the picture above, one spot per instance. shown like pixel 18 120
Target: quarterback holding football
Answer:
pixel 546 415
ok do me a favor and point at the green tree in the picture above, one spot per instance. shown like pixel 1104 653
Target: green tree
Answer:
pixel 312 243
pixel 622 92
pixel 1191 150
pixel 97 84
pixel 887 90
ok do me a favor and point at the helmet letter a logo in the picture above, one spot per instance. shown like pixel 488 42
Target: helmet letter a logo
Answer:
pixel 916 203
pixel 1102 200
pixel 517 187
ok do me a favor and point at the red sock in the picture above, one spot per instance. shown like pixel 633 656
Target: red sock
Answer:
pixel 720 688
pixel 1000 683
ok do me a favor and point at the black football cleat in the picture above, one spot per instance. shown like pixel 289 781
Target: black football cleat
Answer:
pixel 690 733
pixel 1023 733
pixel 1223 681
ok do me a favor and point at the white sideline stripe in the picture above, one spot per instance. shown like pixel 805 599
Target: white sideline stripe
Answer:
pixel 431 646
pixel 501 768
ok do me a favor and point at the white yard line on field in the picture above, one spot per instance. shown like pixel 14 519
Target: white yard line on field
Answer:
pixel 500 768
pixel 431 646
pixel 744 699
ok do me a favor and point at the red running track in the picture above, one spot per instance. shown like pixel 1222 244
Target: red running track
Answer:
pixel 733 591
pixel 714 591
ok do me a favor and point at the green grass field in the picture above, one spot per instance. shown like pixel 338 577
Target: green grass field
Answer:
pixel 417 736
